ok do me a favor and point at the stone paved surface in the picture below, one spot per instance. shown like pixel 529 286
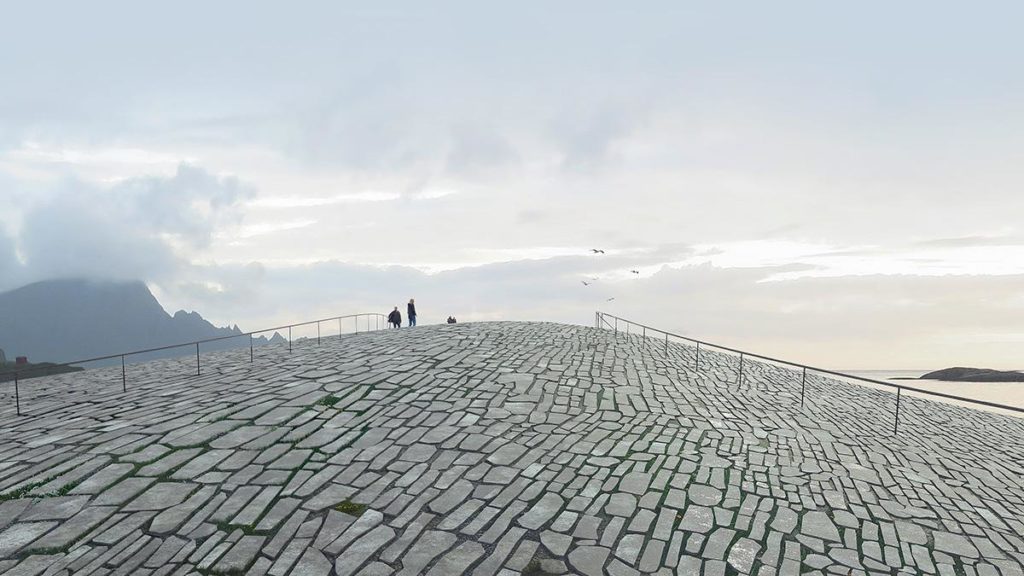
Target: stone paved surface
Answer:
pixel 498 448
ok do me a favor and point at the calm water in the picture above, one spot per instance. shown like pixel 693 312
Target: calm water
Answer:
pixel 1009 393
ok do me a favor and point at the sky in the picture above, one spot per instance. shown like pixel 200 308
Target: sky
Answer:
pixel 840 184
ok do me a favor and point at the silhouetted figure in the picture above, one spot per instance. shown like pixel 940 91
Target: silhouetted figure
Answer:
pixel 451 320
pixel 411 309
pixel 395 318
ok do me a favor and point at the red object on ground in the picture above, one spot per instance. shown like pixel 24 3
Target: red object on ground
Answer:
pixel 21 360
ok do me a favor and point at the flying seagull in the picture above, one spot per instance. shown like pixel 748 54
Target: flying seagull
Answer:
pixel 610 299
pixel 637 272
pixel 585 283
pixel 596 251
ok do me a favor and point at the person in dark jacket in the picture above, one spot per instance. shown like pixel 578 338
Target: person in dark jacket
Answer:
pixel 451 320
pixel 411 309
pixel 395 318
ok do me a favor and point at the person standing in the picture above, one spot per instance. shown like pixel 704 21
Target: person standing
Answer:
pixel 411 309
pixel 395 318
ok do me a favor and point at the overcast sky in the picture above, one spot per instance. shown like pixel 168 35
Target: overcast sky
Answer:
pixel 836 183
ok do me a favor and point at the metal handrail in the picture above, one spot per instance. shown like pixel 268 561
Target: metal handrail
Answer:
pixel 600 319
pixel 196 343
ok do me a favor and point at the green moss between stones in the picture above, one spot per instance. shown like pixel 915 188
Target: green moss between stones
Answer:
pixel 533 568
pixel 351 508
pixel 328 401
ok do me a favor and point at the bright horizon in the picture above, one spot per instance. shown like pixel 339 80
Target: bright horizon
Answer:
pixel 834 185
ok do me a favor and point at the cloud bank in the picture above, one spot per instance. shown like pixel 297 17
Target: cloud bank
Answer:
pixel 145 227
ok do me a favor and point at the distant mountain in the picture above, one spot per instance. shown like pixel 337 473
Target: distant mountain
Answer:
pixel 66 320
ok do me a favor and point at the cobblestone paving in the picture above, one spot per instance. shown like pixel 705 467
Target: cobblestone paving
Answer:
pixel 498 448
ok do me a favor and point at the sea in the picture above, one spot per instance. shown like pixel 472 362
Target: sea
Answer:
pixel 1007 393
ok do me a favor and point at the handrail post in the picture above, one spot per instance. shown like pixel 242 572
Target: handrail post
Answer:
pixel 289 339
pixel 197 358
pixel 616 326
pixel 740 381
pixel 666 343
pixel 17 395
pixel 696 359
pixel 124 379
pixel 250 348
pixel 317 332
pixel 896 425
pixel 803 386
pixel 339 327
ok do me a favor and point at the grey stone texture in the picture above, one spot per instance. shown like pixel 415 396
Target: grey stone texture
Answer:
pixel 498 448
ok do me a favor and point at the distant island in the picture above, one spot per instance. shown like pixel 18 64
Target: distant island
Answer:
pixel 961 374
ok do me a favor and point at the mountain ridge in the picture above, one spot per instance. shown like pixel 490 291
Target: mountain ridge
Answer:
pixel 71 319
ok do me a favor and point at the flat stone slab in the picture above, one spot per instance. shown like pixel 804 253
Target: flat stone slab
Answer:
pixel 58 508
pixel 18 535
pixel 161 496
pixel 544 510
pixel 498 449
pixel 69 531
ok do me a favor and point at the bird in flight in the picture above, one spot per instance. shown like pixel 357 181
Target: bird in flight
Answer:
pixel 610 299
pixel 637 272
pixel 585 283
pixel 596 251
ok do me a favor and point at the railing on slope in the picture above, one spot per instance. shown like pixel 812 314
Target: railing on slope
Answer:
pixel 122 355
pixel 601 320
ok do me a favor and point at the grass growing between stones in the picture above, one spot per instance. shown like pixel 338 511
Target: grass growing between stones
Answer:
pixel 67 488
pixel 351 508
pixel 228 528
pixel 19 493
pixel 26 489
pixel 21 555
